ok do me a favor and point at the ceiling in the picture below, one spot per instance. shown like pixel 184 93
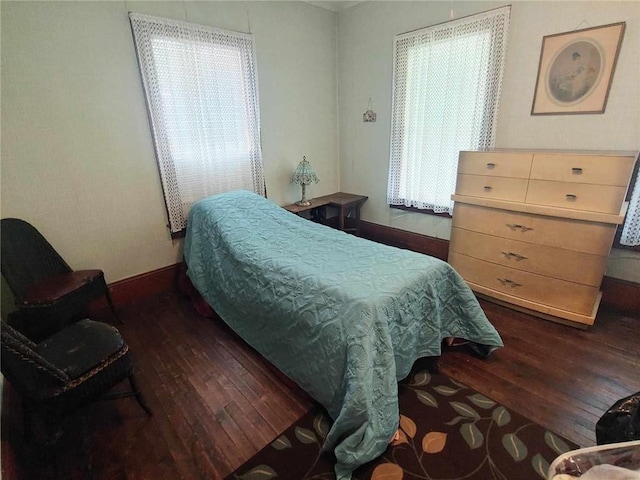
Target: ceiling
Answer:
pixel 334 5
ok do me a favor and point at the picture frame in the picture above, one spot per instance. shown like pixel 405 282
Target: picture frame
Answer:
pixel 576 69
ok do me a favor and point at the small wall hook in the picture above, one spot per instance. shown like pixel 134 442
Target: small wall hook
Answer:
pixel 369 115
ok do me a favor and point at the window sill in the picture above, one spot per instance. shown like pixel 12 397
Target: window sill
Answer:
pixel 617 244
pixel 426 211
pixel 179 234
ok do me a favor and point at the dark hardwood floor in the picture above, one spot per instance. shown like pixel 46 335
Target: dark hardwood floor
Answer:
pixel 215 402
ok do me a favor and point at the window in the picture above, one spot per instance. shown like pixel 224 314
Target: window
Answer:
pixel 446 88
pixel 200 87
pixel 630 234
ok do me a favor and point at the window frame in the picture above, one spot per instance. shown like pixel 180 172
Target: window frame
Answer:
pixel 202 41
pixel 487 129
pixel 632 184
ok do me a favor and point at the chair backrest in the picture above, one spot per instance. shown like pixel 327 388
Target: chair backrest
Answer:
pixel 26 256
pixel 25 369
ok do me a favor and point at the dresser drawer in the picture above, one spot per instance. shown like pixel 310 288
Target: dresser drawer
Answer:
pixel 576 196
pixel 497 188
pixel 495 164
pixel 587 237
pixel 583 169
pixel 556 293
pixel 566 265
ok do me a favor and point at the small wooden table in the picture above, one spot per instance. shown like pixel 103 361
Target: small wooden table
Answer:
pixel 344 202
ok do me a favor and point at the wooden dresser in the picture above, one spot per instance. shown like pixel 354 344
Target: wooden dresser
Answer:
pixel 533 229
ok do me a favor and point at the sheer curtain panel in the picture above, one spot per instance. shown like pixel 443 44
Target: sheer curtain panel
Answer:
pixel 631 229
pixel 446 89
pixel 200 85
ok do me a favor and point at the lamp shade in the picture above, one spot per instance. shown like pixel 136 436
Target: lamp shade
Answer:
pixel 304 174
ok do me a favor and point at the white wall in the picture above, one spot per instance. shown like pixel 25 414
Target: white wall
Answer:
pixel 365 34
pixel 77 156
pixel 76 151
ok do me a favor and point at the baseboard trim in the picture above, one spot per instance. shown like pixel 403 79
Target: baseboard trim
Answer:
pixel 436 247
pixel 618 294
pixel 621 294
pixel 162 280
pixel 133 289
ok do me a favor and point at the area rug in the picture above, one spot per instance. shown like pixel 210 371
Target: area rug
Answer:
pixel 447 432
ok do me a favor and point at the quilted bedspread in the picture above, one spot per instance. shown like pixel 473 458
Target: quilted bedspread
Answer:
pixel 343 317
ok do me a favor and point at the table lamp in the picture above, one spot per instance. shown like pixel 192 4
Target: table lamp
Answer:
pixel 304 175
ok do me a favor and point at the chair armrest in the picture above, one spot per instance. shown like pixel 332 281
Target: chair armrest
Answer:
pixel 25 368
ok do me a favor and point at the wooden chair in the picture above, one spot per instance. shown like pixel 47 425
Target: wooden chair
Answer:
pixel 49 294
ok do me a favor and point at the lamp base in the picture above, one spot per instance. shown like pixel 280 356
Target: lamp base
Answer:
pixel 303 202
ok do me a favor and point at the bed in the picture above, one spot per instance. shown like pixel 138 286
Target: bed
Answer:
pixel 343 317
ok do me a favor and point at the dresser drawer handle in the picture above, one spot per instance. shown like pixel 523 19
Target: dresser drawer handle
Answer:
pixel 515 226
pixel 487 188
pixel 576 170
pixel 571 197
pixel 511 283
pixel 491 165
pixel 517 256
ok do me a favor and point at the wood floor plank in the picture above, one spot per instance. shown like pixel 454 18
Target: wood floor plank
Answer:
pixel 216 402
pixel 554 374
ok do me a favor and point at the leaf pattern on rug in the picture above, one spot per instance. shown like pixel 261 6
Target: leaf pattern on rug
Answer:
pixel 446 432
pixel 434 442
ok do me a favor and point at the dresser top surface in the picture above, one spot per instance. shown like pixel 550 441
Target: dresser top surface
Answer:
pixel 607 153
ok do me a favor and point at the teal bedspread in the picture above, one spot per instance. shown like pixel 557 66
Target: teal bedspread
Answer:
pixel 342 316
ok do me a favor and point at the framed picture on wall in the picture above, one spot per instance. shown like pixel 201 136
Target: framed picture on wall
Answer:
pixel 576 69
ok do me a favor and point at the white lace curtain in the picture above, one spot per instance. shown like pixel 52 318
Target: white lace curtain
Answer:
pixel 202 97
pixel 631 228
pixel 446 88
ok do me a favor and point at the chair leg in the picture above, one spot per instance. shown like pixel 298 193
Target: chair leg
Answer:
pixel 52 430
pixel 111 305
pixel 87 442
pixel 27 430
pixel 138 393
